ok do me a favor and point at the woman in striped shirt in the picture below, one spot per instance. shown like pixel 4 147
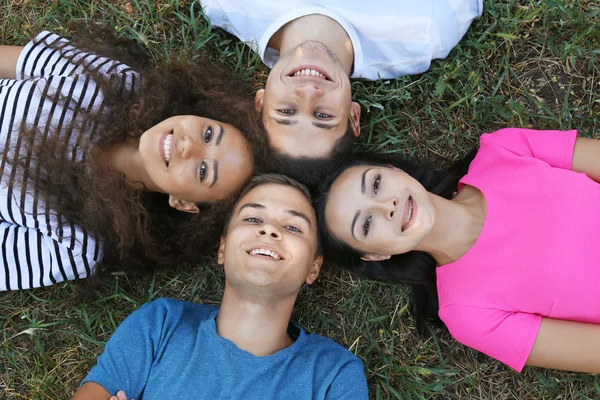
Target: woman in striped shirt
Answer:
pixel 108 164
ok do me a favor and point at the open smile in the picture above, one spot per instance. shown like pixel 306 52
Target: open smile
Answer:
pixel 265 252
pixel 409 213
pixel 309 71
pixel 166 146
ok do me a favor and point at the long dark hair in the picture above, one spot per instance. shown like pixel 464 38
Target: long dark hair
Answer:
pixel 416 269
pixel 138 229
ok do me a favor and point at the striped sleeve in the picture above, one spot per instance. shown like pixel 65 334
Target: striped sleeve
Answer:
pixel 53 89
pixel 51 55
pixel 30 259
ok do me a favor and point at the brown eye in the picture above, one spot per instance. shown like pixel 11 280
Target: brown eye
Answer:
pixel 367 225
pixel 203 171
pixel 321 115
pixel 292 228
pixel 376 183
pixel 208 135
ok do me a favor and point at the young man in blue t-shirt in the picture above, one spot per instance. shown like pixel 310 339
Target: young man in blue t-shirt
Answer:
pixel 247 348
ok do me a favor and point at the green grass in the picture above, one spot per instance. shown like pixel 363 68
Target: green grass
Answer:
pixel 524 63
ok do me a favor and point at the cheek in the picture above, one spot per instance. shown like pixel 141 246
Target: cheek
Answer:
pixel 301 247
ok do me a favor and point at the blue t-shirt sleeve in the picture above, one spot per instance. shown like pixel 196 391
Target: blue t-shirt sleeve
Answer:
pixel 127 359
pixel 349 383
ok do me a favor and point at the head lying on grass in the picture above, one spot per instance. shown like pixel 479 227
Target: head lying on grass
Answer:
pixel 247 348
pixel 503 247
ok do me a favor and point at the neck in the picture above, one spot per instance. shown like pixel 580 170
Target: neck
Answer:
pixel 125 158
pixel 315 27
pixel 458 224
pixel 258 326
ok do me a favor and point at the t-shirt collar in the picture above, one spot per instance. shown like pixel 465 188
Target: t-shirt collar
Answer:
pixel 211 326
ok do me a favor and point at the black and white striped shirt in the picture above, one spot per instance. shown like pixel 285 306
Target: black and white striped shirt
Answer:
pixel 39 248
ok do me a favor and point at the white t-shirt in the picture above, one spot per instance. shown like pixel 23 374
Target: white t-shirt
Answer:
pixel 38 247
pixel 391 38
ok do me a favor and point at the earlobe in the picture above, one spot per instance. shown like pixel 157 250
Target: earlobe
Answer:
pixel 185 206
pixel 374 257
pixel 258 100
pixel 355 118
pixel 221 252
pixel 315 270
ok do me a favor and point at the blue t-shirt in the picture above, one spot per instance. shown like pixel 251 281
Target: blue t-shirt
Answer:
pixel 170 349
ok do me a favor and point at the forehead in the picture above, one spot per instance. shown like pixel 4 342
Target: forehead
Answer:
pixel 350 180
pixel 277 197
pixel 345 193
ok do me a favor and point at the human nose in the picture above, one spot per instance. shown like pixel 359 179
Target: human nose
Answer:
pixel 308 92
pixel 270 230
pixel 388 207
pixel 189 148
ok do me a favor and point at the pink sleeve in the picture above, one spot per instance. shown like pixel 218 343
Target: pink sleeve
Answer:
pixel 554 147
pixel 505 336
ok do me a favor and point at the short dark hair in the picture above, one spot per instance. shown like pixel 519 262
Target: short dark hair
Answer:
pixel 308 170
pixel 277 179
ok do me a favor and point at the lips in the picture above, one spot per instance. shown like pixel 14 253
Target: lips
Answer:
pixel 408 214
pixel 309 71
pixel 165 146
pixel 265 252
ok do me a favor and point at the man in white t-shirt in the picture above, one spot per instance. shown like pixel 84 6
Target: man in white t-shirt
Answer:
pixel 314 48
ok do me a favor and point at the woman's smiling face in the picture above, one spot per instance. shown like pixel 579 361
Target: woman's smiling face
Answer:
pixel 196 159
pixel 379 210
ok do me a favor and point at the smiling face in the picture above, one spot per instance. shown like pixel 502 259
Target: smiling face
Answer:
pixel 379 210
pixel 307 102
pixel 195 159
pixel 270 248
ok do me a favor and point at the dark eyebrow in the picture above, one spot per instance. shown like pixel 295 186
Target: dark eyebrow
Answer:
pixel 220 134
pixel 363 189
pixel 215 173
pixel 251 205
pixel 325 126
pixel 354 223
pixel 363 186
pixel 299 214
pixel 285 121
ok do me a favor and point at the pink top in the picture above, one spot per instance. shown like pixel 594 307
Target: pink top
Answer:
pixel 538 254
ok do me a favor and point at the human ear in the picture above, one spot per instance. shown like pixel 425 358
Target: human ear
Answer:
pixel 355 118
pixel 374 257
pixel 258 100
pixel 181 205
pixel 221 252
pixel 315 269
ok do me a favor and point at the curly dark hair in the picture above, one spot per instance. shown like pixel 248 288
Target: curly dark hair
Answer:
pixel 416 269
pixel 138 229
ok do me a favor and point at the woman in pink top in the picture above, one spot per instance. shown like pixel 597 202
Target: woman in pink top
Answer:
pixel 504 246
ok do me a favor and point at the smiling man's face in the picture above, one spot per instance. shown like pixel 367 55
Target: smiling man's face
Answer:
pixel 270 248
pixel 307 102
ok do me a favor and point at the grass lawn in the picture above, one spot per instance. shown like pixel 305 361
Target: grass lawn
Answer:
pixel 524 63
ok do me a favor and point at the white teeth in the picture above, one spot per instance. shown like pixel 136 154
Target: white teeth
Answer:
pixel 167 147
pixel 409 213
pixel 311 72
pixel 265 252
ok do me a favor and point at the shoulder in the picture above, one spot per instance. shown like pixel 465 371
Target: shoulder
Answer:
pixel 327 349
pixel 176 309
pixel 465 322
